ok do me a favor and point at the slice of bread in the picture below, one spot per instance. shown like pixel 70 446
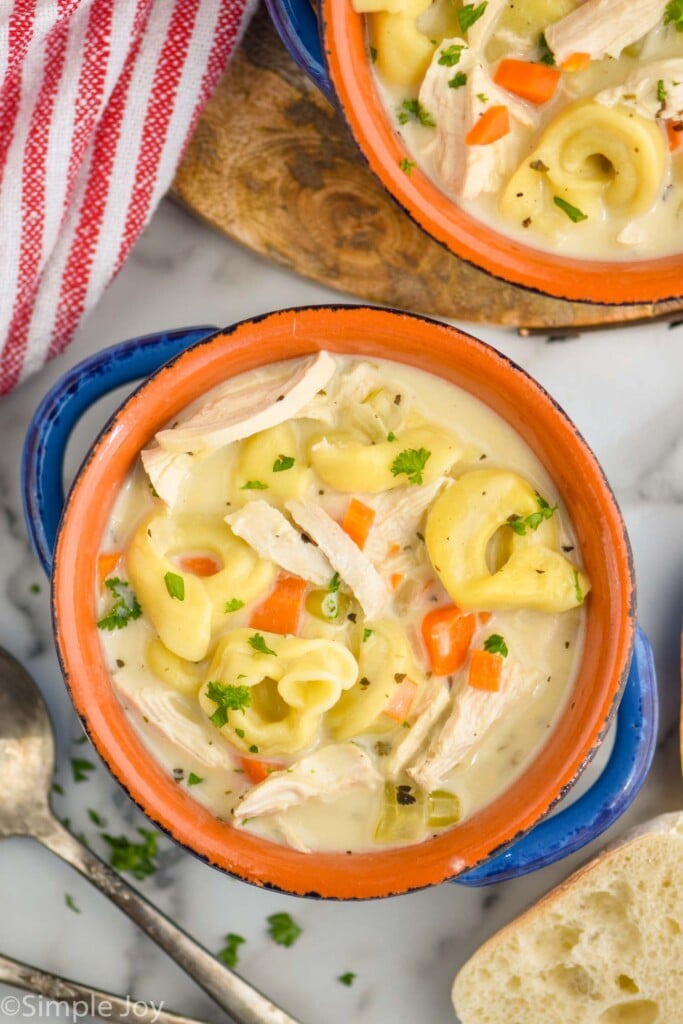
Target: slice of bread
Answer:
pixel 605 947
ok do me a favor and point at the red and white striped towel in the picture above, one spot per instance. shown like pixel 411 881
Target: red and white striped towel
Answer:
pixel 98 99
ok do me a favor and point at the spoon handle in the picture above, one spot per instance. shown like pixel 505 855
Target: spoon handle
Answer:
pixel 243 1002
pixel 83 999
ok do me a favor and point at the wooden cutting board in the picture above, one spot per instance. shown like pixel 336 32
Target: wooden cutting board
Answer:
pixel 273 166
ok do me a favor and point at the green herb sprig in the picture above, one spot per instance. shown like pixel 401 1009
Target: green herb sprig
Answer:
pixel 125 607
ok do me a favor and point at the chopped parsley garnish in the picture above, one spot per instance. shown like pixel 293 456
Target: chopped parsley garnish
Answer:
pixel 254 485
pixel 282 463
pixel 661 91
pixel 482 97
pixel 572 212
pixel 96 818
pixel 125 608
pixel 194 780
pixel 495 644
pixel 521 524
pixel 407 165
pixel 334 583
pixel 538 165
pixel 673 14
pixel 347 979
pixel 391 436
pixel 367 633
pixel 136 858
pixel 412 462
pixel 577 588
pixel 451 55
pixel 253 749
pixel 228 698
pixel 258 643
pixel 69 900
pixel 229 955
pixel 240 733
pixel 283 930
pixel 233 605
pixel 458 80
pixel 373 54
pixel 413 109
pixel 80 768
pixel 545 54
pixel 175 586
pixel 470 14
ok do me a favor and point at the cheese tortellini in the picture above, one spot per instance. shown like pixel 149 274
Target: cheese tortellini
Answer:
pixel 460 527
pixel 291 686
pixel 185 626
pixel 271 461
pixel 403 51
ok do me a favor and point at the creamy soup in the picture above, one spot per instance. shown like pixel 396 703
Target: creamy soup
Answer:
pixel 341 602
pixel 559 122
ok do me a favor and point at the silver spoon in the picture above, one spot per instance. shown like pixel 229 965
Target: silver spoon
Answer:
pixel 26 769
pixel 104 1005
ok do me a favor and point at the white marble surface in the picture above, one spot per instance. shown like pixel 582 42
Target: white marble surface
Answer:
pixel 623 388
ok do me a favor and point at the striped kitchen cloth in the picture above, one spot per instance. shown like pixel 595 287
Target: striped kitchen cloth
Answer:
pixel 98 99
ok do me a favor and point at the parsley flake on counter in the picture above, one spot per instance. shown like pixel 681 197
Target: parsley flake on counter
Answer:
pixel 414 109
pixel 136 858
pixel 125 608
pixel 347 979
pixel 451 55
pixel 573 212
pixel 96 818
pixel 546 55
pixel 407 165
pixel 254 485
pixel 282 463
pixel 495 644
pixel 412 462
pixel 229 955
pixel 469 15
pixel 80 768
pixel 69 900
pixel 233 605
pixel 257 643
pixel 228 698
pixel 673 14
pixel 458 80
pixel 175 585
pixel 283 930
pixel 56 788
pixel 194 780
pixel 34 588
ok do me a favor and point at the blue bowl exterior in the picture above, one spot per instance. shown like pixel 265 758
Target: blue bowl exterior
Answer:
pixel 43 498
pixel 297 27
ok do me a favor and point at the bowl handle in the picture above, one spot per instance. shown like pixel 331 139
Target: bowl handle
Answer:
pixel 296 23
pixel 42 466
pixel 608 797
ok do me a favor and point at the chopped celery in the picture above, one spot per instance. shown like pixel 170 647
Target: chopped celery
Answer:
pixel 402 819
pixel 443 809
pixel 330 606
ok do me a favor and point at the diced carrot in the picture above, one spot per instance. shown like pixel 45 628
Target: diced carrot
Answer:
pixel 534 82
pixel 280 612
pixel 393 549
pixel 491 126
pixel 485 671
pixel 576 62
pixel 257 770
pixel 357 521
pixel 674 133
pixel 447 632
pixel 396 579
pixel 401 700
pixel 106 563
pixel 199 565
pixel 483 617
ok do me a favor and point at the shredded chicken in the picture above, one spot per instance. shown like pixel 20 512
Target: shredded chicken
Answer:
pixel 399 514
pixel 173 714
pixel 319 776
pixel 641 91
pixel 353 566
pixel 602 28
pixel 474 712
pixel 432 702
pixel 243 407
pixel 274 538
pixel 166 471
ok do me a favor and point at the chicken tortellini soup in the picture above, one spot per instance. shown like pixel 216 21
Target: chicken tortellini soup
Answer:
pixel 559 122
pixel 341 603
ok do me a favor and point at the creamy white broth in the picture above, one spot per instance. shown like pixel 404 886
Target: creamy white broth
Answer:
pixel 544 647
pixel 610 231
